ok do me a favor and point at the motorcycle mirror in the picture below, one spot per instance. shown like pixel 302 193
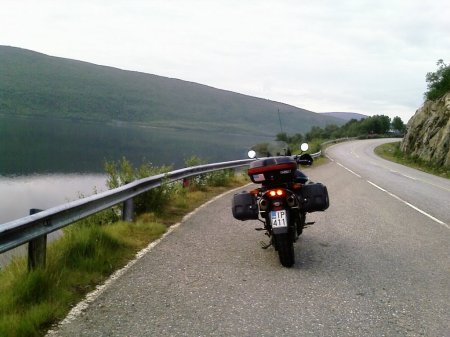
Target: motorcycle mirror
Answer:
pixel 304 147
pixel 305 159
pixel 251 154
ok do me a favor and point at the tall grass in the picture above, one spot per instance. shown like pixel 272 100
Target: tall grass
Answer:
pixel 83 257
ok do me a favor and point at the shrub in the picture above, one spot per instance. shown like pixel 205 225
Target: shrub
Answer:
pixel 122 172
pixel 216 179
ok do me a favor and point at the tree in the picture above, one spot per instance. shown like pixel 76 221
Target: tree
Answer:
pixel 438 83
pixel 397 124
pixel 296 139
pixel 378 124
pixel 331 130
pixel 282 136
pixel 315 133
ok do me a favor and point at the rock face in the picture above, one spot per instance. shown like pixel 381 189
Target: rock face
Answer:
pixel 428 132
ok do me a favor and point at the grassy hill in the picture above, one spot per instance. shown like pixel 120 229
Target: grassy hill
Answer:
pixel 34 84
pixel 346 115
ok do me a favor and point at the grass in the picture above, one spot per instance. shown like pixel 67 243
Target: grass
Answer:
pixel 392 152
pixel 88 252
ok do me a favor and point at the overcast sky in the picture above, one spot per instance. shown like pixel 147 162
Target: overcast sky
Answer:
pixel 361 56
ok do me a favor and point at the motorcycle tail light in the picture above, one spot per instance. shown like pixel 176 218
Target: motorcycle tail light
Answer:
pixel 277 193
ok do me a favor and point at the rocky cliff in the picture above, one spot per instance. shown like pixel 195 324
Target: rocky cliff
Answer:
pixel 428 132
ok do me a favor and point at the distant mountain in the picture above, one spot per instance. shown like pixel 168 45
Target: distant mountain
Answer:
pixel 346 116
pixel 34 84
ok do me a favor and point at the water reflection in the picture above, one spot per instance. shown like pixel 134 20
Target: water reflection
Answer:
pixel 19 194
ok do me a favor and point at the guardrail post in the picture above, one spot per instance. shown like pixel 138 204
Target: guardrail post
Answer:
pixel 186 182
pixel 37 249
pixel 128 210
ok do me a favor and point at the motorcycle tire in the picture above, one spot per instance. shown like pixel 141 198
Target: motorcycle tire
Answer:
pixel 285 248
pixel 301 223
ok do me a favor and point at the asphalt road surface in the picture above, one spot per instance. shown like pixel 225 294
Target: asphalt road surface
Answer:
pixel 376 263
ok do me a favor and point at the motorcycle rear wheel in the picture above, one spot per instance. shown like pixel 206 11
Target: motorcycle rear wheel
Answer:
pixel 301 223
pixel 285 248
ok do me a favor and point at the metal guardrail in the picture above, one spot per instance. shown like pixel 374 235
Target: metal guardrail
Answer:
pixel 317 154
pixel 339 140
pixel 334 141
pixel 34 228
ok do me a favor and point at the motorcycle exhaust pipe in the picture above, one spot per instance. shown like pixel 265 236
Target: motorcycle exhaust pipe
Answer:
pixel 263 204
pixel 291 201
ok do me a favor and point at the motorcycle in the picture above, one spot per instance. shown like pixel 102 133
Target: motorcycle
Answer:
pixel 282 201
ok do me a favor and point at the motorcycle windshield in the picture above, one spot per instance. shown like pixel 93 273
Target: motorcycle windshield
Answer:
pixel 272 149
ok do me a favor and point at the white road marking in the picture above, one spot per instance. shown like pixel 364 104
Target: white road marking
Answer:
pixel 398 198
pixel 408 176
pixel 401 174
pixel 356 174
pixel 353 153
pixel 410 205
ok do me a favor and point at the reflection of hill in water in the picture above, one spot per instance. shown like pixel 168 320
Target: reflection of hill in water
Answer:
pixel 37 145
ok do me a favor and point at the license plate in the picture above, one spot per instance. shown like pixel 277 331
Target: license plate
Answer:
pixel 278 219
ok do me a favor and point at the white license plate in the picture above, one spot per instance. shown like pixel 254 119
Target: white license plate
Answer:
pixel 278 219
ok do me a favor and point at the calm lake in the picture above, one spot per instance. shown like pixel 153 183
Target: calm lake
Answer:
pixel 43 145
pixel 47 162
pixel 19 194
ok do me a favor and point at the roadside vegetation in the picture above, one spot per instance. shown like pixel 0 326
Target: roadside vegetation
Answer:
pixel 438 82
pixel 371 127
pixel 392 152
pixel 92 249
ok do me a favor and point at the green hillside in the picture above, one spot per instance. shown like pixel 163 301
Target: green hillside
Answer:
pixel 34 84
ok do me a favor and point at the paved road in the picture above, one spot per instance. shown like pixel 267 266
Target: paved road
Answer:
pixel 370 266
pixel 429 193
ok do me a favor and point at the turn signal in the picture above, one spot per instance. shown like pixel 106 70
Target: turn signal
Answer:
pixel 254 192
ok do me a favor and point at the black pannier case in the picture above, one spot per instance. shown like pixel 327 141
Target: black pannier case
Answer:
pixel 244 206
pixel 314 197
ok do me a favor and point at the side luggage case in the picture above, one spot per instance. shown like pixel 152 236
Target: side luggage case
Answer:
pixel 314 197
pixel 244 206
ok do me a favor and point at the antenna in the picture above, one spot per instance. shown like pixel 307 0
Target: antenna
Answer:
pixel 279 118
